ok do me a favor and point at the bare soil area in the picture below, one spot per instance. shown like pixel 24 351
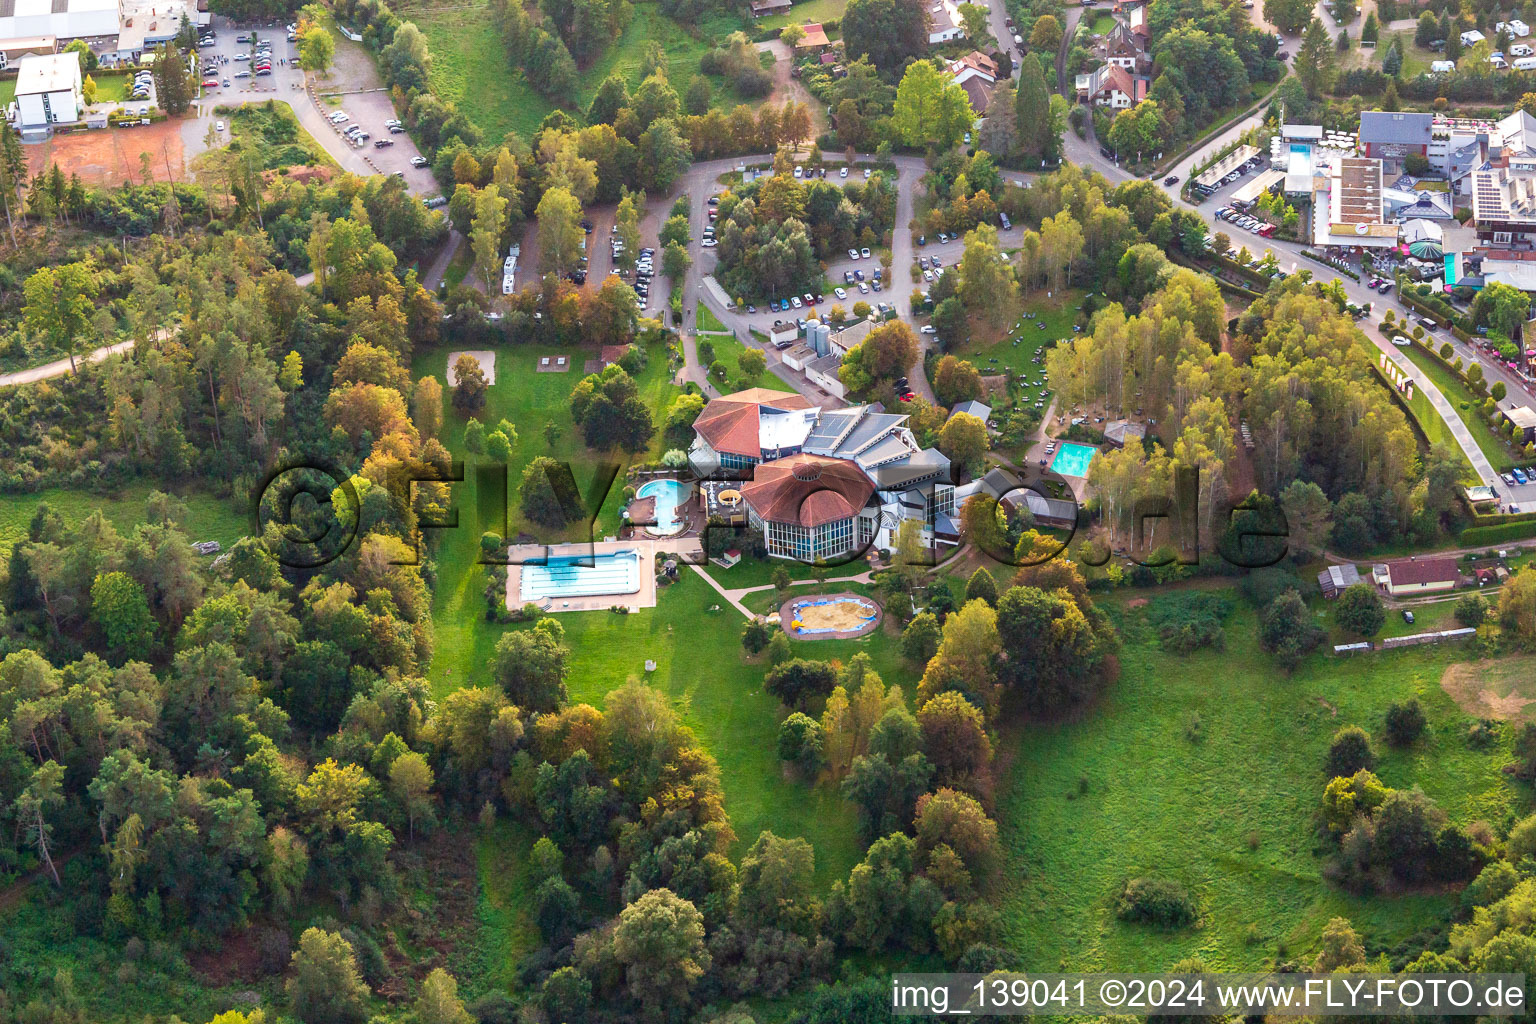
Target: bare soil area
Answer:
pixel 1499 688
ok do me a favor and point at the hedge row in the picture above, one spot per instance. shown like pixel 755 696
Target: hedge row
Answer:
pixel 1520 529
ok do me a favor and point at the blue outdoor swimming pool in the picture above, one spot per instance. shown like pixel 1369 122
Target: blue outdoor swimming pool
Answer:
pixel 615 572
pixel 1072 459
pixel 669 494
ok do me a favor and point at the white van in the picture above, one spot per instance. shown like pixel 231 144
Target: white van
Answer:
pixel 1521 50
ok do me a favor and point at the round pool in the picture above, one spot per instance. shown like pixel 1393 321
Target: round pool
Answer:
pixel 671 496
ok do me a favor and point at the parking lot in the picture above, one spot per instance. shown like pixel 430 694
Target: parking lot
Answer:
pixel 356 90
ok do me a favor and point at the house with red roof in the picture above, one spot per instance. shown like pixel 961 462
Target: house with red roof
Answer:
pixel 1413 576
pixel 1113 87
pixel 824 483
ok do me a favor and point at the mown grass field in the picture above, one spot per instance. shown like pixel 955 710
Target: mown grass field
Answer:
pixel 470 66
pixel 728 351
pixel 1014 354
pixel 1468 407
pixel 811 10
pixel 529 400
pixel 1229 813
pixel 208 518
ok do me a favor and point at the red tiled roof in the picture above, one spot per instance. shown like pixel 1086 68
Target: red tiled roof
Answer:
pixel 729 423
pixel 808 489
pixel 977 60
pixel 1423 570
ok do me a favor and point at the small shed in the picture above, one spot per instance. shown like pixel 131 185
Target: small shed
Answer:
pixel 1524 417
pixel 1334 579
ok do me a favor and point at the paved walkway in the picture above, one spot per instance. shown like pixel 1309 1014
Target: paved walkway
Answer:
pixel 734 595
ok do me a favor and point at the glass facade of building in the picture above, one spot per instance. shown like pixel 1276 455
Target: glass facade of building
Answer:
pixel 791 540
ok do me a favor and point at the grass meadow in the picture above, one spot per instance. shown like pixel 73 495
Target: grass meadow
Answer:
pixel 1207 769
pixel 470 66
pixel 208 518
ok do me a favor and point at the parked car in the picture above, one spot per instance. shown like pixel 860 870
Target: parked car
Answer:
pixel 853 254
pixel 419 161
pixel 864 254
pixel 1172 179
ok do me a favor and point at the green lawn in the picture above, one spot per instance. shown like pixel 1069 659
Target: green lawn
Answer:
pixel 1229 814
pixel 708 321
pixel 1434 427
pixel 701 666
pixel 208 518
pixel 529 400
pixel 1468 407
pixel 758 572
pixel 728 351
pixel 1102 23
pixel 811 10
pixel 470 67
pixel 1015 353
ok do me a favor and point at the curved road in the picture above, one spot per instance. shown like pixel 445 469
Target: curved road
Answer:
pixel 700 183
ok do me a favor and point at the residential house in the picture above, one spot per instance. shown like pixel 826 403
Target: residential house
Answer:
pixel 1113 87
pixel 977 74
pixel 1124 48
pixel 1421 576
pixel 815 39
pixel 972 408
pixel 1136 17
pixel 944 23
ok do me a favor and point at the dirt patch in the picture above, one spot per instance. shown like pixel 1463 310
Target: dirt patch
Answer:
pixel 111 156
pixel 1136 602
pixel 485 357
pixel 1499 688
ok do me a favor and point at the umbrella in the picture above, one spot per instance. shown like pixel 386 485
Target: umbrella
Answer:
pixel 1426 249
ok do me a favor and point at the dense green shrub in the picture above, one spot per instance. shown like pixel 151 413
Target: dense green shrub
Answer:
pixel 1158 902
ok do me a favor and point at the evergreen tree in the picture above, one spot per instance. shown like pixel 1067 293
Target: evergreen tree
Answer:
pixel 1314 59
pixel 1032 108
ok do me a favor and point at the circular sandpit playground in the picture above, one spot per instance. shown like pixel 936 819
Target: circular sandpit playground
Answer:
pixel 829 616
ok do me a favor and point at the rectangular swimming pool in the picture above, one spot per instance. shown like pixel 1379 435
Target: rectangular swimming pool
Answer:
pixel 1072 459
pixel 615 572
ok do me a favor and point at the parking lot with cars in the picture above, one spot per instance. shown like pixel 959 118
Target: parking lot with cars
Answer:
pixel 250 64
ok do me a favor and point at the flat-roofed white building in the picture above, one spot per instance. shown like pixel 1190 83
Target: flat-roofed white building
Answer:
pixel 64 19
pixel 48 91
